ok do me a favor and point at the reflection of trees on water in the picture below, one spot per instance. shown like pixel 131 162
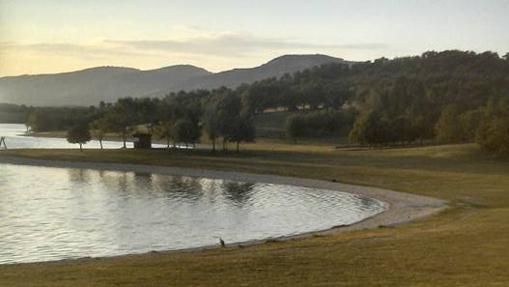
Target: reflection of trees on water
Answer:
pixel 238 192
pixel 142 181
pixel 79 175
pixel 125 182
pixel 171 187
pixel 179 187
pixel 122 182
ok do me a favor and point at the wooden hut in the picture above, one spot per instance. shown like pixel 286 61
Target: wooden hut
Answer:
pixel 142 140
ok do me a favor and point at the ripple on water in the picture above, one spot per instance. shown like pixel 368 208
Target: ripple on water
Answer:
pixel 53 214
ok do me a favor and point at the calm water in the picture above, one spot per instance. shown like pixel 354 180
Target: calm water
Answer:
pixel 57 213
pixel 15 139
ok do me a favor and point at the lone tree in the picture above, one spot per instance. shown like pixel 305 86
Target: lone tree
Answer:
pixel 79 135
pixel 98 129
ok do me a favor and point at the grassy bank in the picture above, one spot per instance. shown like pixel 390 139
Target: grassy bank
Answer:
pixel 465 246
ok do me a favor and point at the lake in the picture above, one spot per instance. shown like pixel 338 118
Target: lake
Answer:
pixel 62 213
pixel 15 139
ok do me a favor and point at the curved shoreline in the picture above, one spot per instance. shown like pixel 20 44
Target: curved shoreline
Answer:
pixel 400 207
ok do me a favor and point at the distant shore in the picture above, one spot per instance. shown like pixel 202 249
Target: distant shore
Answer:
pixel 400 207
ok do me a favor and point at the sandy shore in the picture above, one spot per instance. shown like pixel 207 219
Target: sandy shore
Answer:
pixel 400 207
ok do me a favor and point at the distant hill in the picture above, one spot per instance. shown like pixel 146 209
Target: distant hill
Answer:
pixel 90 86
pixel 277 67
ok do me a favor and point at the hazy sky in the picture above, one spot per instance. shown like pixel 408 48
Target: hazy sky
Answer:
pixel 47 36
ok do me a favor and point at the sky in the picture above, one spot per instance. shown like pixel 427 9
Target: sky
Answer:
pixel 49 36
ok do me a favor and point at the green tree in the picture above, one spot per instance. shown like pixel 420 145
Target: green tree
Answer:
pixel 422 128
pixel 401 130
pixel 212 124
pixel 121 117
pixel 229 107
pixel 494 136
pixel 448 127
pixel 165 118
pixel 98 129
pixel 187 132
pixel 242 130
pixel 79 135
pixel 370 128
pixel 493 132
pixel 165 130
pixel 469 122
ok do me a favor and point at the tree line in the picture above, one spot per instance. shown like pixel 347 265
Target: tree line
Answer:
pixel 10 113
pixel 178 118
pixel 439 97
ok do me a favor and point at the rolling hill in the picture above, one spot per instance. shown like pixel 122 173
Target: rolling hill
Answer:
pixel 90 86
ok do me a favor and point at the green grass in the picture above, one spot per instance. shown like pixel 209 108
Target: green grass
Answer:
pixel 464 246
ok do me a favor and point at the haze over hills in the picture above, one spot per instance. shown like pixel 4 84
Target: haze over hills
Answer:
pixel 90 86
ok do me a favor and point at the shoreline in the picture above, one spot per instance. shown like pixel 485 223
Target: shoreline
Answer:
pixel 400 208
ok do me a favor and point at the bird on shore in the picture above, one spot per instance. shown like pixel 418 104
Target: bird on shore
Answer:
pixel 221 241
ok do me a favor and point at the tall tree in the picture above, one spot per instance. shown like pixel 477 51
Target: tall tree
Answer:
pixel 121 117
pixel 242 130
pixel 229 107
pixel 98 129
pixel 211 124
pixel 187 132
pixel 166 116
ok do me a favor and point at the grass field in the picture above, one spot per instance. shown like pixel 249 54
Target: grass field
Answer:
pixel 468 245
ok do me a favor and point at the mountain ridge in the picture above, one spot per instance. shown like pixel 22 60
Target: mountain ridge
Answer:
pixel 108 83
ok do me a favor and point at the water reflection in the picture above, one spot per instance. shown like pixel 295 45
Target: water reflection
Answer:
pixel 79 175
pixel 50 213
pixel 239 193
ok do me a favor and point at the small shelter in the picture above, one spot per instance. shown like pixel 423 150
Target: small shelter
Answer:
pixel 142 140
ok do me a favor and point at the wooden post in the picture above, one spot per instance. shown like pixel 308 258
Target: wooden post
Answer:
pixel 2 141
